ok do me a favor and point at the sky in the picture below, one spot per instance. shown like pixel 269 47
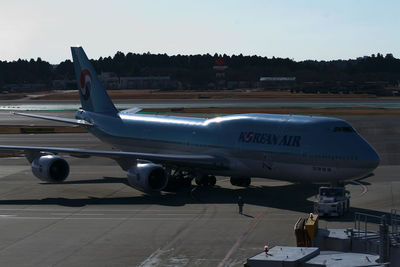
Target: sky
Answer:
pixel 300 30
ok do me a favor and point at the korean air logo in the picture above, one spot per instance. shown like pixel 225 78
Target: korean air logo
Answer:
pixel 269 139
pixel 248 137
pixel 86 83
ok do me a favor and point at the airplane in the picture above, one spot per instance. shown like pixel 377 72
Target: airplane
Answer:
pixel 161 152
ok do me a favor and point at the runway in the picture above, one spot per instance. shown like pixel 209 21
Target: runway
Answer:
pixel 95 219
pixel 297 103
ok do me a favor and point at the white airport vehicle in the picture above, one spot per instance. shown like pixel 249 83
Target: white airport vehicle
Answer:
pixel 332 201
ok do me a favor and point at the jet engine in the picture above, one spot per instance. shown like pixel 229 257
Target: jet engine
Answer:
pixel 50 168
pixel 147 177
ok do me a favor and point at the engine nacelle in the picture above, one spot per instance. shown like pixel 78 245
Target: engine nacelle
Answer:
pixel 148 177
pixel 50 168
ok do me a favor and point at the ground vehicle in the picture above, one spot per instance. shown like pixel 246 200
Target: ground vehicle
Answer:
pixel 332 201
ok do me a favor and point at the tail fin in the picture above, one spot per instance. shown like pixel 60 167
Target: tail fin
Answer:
pixel 93 96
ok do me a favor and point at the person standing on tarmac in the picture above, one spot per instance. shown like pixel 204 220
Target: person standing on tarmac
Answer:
pixel 193 193
pixel 240 204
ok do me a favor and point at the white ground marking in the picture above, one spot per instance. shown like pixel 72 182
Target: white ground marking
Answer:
pixel 177 261
pixel 76 214
pixel 154 259
pixel 364 188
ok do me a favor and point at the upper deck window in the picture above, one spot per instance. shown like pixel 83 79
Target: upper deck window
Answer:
pixel 346 129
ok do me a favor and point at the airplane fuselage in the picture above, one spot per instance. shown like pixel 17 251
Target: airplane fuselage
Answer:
pixel 284 147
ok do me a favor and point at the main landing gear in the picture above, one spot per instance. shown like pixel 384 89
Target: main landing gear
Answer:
pixel 179 179
pixel 241 181
pixel 205 180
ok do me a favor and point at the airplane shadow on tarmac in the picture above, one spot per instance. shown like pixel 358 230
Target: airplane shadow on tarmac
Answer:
pixel 292 197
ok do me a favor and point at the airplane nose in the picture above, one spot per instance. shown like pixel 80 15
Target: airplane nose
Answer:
pixel 372 158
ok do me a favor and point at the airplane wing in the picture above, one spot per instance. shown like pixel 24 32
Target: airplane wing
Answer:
pixel 124 158
pixel 65 120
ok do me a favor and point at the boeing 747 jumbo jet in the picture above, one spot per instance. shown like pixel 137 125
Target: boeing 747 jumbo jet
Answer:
pixel 164 152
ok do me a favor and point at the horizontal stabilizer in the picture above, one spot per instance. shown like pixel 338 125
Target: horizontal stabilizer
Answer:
pixel 131 110
pixel 65 120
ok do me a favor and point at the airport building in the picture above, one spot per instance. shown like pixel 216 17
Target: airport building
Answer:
pixel 277 83
pixel 147 82
pixel 112 82
pixel 24 87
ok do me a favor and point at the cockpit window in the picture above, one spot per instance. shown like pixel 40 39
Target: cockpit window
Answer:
pixel 345 129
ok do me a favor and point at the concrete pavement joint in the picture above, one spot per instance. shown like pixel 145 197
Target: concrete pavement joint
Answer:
pixel 240 240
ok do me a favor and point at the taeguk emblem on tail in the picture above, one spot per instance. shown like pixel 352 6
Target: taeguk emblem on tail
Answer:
pixel 86 83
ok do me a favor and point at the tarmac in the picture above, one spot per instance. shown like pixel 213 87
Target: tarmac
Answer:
pixel 95 219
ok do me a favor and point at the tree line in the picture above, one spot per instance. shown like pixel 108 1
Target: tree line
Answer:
pixel 196 71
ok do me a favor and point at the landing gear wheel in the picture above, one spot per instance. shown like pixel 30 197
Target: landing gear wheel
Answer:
pixel 186 182
pixel 177 181
pixel 206 180
pixel 172 184
pixel 201 180
pixel 246 182
pixel 198 181
pixel 212 180
pixel 241 181
pixel 340 210
pixel 233 181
